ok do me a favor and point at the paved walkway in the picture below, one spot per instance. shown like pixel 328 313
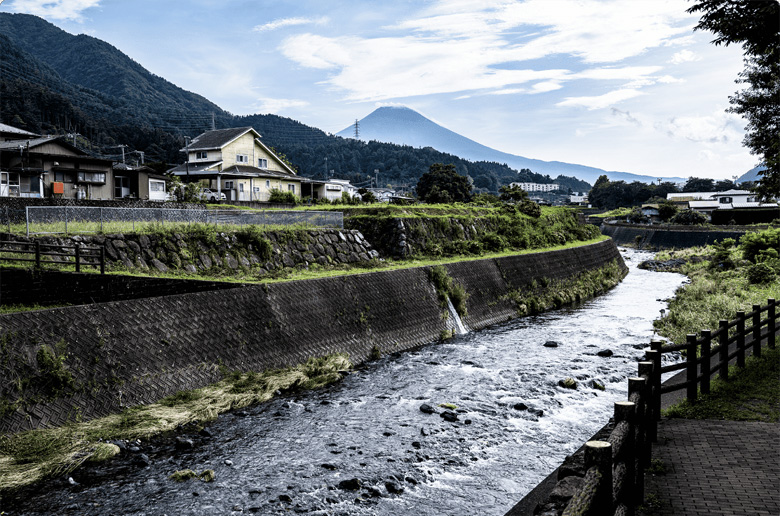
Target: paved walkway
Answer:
pixel 716 468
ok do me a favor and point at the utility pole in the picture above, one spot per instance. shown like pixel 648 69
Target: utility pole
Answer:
pixel 213 124
pixel 326 167
pixel 187 163
pixel 123 152
pixel 357 129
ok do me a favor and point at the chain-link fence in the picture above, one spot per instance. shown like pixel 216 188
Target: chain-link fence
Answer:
pixel 41 220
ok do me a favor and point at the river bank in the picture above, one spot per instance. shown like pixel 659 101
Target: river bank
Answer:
pixel 513 424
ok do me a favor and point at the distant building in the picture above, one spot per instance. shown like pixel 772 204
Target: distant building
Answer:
pixel 580 198
pixel 331 190
pixel 235 162
pixel 537 187
pixel 707 202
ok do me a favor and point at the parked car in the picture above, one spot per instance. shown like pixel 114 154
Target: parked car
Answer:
pixel 209 195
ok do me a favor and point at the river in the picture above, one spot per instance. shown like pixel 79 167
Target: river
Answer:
pixel 302 454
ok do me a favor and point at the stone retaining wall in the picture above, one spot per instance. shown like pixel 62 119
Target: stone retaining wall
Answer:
pixel 126 353
pixel 229 251
pixel 656 237
pixel 13 207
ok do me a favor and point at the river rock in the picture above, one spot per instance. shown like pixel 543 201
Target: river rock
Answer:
pixel 182 443
pixel 330 467
pixel 393 488
pixel 551 344
pixel 520 406
pixel 605 353
pixel 427 409
pixel 285 498
pixel 566 488
pixel 353 484
pixel 450 416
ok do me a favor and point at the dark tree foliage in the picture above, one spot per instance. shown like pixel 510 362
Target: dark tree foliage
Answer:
pixel 667 210
pixel 755 24
pixel 609 195
pixel 512 194
pixel 689 218
pixel 442 184
pixel 697 184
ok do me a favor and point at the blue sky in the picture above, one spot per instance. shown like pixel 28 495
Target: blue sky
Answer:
pixel 622 85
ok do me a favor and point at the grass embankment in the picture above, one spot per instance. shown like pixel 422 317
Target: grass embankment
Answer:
pixel 729 277
pixel 28 457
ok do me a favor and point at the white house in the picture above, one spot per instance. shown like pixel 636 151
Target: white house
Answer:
pixel 537 187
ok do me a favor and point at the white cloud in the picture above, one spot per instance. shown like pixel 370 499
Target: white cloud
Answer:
pixel 544 87
pixel 684 56
pixel 290 22
pixel 601 101
pixel 462 46
pixel 54 9
pixel 270 105
pixel 718 128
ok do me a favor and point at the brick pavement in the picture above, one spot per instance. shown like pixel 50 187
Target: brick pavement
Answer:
pixel 716 468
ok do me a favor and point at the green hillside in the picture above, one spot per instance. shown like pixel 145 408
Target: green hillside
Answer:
pixel 53 82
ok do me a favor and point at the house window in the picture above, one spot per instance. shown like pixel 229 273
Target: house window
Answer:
pixel 92 177
pixel 62 177
pixel 201 155
pixel 291 188
pixel 268 183
pixel 228 185
pixel 725 200
pixel 262 163
pixel 242 158
pixel 156 186
pixel 240 187
pixel 751 199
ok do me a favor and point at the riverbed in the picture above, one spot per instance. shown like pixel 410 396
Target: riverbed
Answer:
pixel 494 423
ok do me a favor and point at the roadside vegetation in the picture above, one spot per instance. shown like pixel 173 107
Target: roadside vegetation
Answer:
pixel 726 278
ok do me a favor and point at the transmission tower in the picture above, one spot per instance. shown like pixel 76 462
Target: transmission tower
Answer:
pixel 357 129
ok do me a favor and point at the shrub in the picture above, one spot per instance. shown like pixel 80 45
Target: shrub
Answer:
pixel 752 244
pixel 281 197
pixel 530 208
pixel 493 242
pixel 637 217
pixel 760 273
pixel 667 210
pixel 689 218
pixel 251 235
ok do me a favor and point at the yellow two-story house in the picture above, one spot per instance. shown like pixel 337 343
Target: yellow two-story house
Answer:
pixel 235 162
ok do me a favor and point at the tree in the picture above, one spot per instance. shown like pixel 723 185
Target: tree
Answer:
pixel 442 184
pixel 667 210
pixel 756 25
pixel 512 193
pixel 696 184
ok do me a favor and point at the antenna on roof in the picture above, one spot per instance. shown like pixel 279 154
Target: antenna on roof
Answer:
pixel 357 129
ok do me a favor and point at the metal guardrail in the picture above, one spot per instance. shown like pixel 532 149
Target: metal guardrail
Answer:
pixel 69 219
pixel 36 253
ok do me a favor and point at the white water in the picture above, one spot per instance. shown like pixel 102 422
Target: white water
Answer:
pixel 460 328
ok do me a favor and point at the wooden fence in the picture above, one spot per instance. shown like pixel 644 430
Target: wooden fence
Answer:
pixel 614 478
pixel 702 359
pixel 54 254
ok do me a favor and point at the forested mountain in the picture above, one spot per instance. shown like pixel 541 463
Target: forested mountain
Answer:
pixel 52 82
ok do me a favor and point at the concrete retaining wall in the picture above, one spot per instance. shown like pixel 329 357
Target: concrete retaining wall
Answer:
pixel 133 352
pixel 655 237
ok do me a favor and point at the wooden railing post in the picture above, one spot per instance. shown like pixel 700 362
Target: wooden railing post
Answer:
pixel 641 442
pixel 706 351
pixel 772 323
pixel 103 259
pixel 723 348
pixel 78 259
pixel 626 411
pixel 691 362
pixel 756 330
pixel 740 339
pixel 37 254
pixel 599 454
pixel 652 401
pixel 654 355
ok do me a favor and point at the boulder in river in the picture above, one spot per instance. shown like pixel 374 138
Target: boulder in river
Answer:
pixel 551 344
pixel 427 409
pixel 353 484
